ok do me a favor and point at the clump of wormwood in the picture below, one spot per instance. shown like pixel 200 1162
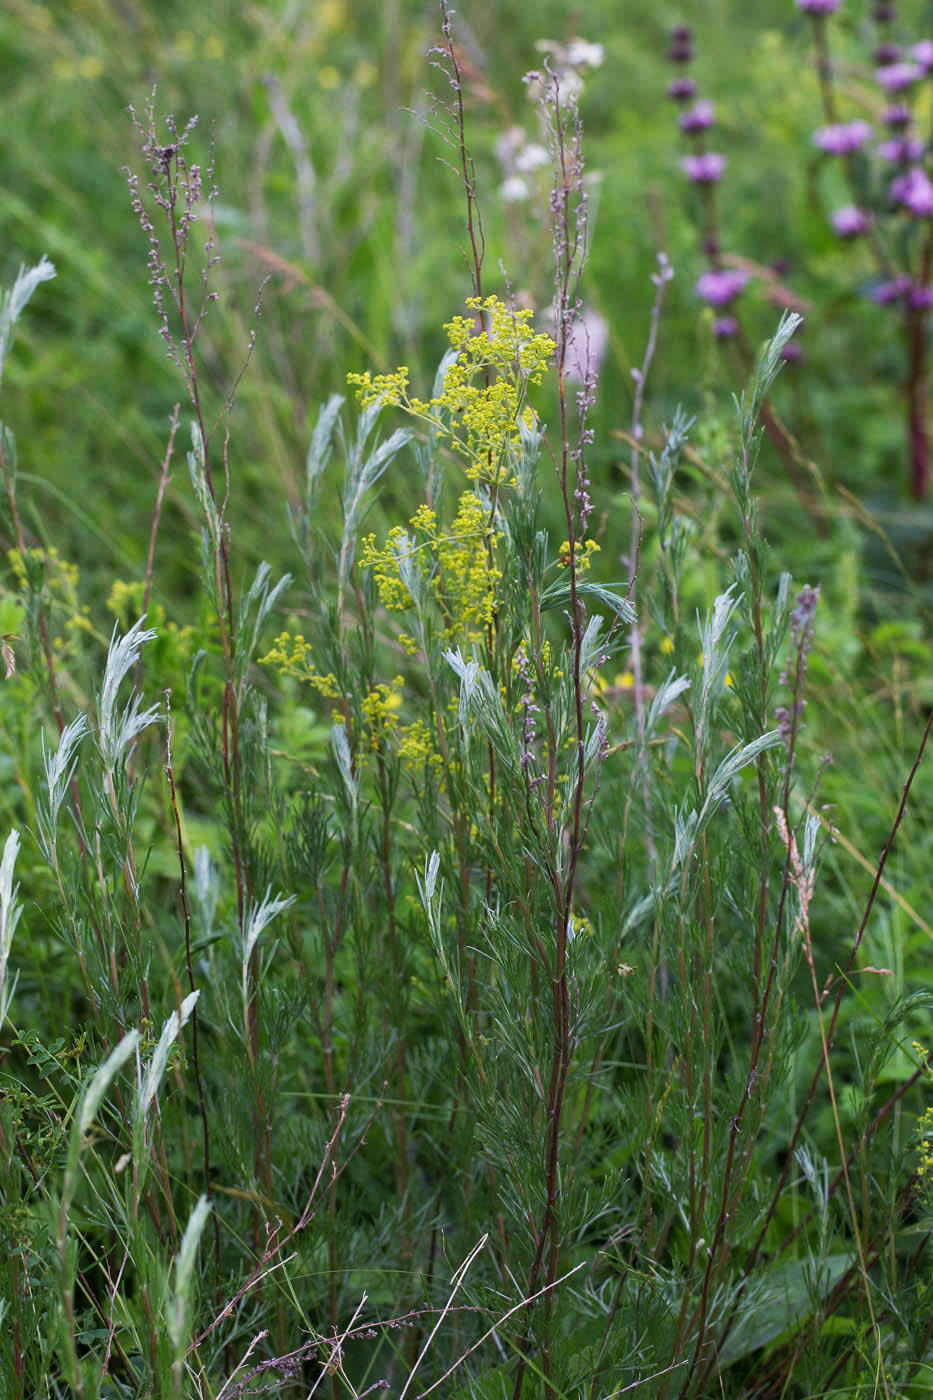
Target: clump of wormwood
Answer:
pixel 515 1054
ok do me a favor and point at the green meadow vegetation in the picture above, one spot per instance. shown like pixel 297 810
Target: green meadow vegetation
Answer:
pixel 467 672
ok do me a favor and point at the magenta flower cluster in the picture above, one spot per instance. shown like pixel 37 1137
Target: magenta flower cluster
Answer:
pixel 843 138
pixel 910 188
pixel 906 195
pixel 718 286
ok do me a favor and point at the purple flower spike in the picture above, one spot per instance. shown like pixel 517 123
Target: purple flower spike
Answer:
pixel 792 353
pixel 887 53
pixel 818 7
pixel 699 117
pixel 724 327
pixel 922 53
pixel 704 169
pixel 921 298
pixel 888 292
pixel 901 151
pixel 842 139
pixel 896 116
pixel 721 285
pixel 915 191
pixel 681 44
pixel 681 89
pixel 849 221
pixel 898 76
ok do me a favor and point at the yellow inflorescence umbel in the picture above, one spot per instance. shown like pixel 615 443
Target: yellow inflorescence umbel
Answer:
pixel 483 400
pixel 458 567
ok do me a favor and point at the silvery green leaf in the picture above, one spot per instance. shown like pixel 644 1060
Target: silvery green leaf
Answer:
pixel 811 831
pixel 768 367
pixel 13 302
pixel 685 831
pixel 426 888
pixel 197 470
pixel 590 645
pixel 664 697
pixel 557 595
pixel 732 765
pixel 259 917
pixel 440 378
pixel 338 739
pixel 715 644
pixel 102 1078
pixel 380 458
pixel 266 598
pixel 402 549
pixel 10 910
pixel 153 1078
pixel 116 734
pixel 322 442
pixel 467 673
pixel 59 771
pixel 185 1259
pixel 206 888
pixel 639 911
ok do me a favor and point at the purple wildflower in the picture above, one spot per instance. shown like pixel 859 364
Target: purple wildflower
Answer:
pixel 795 667
pixel 884 13
pixel 888 292
pixel 699 117
pixel 915 191
pixel 921 298
pixel 681 89
pixel 704 169
pixel 680 49
pixel 922 53
pixel 529 710
pixel 887 53
pixel 902 150
pixel 850 222
pixel 896 116
pixel 843 138
pixel 724 327
pixel 792 353
pixel 898 76
pixel 720 286
pixel 818 7
pixel 801 619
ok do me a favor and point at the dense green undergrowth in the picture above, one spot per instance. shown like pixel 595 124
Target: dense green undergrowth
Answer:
pixel 463 947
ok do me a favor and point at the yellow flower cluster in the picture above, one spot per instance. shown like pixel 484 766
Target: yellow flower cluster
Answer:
pixel 925 1130
pixel 416 748
pixel 925 1125
pixel 173 644
pixel 584 550
pixel 380 711
pixel 484 395
pixel 458 566
pixel 59 587
pixel 292 654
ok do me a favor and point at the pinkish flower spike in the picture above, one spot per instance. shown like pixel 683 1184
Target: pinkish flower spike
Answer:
pixel 704 169
pixel 842 139
pixel 720 286
pixel 850 222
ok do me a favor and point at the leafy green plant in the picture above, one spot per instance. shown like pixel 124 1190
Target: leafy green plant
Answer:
pixel 450 985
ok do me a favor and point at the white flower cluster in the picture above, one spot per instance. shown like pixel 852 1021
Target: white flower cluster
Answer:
pixel 520 157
